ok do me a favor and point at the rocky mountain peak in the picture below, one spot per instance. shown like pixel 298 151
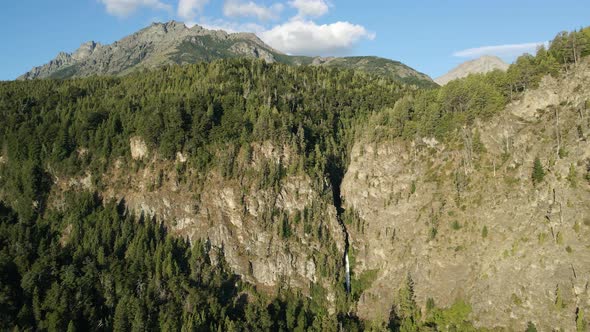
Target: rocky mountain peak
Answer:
pixel 483 64
pixel 85 50
pixel 172 42
pixel 171 26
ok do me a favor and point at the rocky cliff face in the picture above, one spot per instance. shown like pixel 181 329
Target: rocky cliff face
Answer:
pixel 480 65
pixel 471 225
pixel 241 218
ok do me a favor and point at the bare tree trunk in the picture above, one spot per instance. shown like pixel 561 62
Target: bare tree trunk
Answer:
pixel 494 167
pixel 468 149
pixel 560 213
pixel 574 48
pixel 558 135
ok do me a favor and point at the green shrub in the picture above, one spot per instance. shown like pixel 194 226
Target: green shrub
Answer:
pixel 538 174
pixel 530 327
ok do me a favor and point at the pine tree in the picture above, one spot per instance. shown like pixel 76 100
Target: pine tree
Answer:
pixel 71 327
pixel 120 320
pixel 407 315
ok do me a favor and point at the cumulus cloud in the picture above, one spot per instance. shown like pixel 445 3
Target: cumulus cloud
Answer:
pixel 228 26
pixel 297 35
pixel 308 38
pixel 237 8
pixel 188 9
pixel 508 50
pixel 124 8
pixel 313 8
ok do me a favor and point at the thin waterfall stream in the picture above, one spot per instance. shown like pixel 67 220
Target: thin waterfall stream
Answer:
pixel 347 270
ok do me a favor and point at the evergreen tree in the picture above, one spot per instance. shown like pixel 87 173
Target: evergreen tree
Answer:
pixel 71 327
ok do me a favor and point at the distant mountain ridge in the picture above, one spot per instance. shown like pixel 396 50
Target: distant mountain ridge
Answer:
pixel 154 46
pixel 480 65
pixel 169 43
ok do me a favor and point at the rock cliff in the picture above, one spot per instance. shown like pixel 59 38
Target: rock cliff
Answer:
pixel 471 225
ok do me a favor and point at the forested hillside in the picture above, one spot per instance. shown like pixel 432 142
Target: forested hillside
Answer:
pixel 208 196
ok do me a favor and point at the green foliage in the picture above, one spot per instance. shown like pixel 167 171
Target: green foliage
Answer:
pixel 110 271
pixel 559 302
pixel 406 315
pixel 516 300
pixel 145 280
pixel 570 47
pixel 581 324
pixel 363 282
pixel 538 173
pixel 454 318
pixel 207 111
pixel 383 68
pixel 432 232
pixel 484 232
pixel 442 111
pixel 572 176
pixel 439 112
pixel 430 304
pixel 135 276
pixel 530 327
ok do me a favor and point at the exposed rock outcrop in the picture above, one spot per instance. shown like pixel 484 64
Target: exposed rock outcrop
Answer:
pixel 238 217
pixel 138 147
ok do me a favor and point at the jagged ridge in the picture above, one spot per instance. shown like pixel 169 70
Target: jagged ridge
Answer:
pixel 163 44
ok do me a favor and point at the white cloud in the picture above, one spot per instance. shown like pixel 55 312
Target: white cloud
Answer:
pixel 237 8
pixel 509 50
pixel 308 38
pixel 188 9
pixel 313 8
pixel 227 26
pixel 123 8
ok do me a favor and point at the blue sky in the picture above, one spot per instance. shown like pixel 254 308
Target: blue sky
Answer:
pixel 430 35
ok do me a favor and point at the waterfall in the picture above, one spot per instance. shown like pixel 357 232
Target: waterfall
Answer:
pixel 347 271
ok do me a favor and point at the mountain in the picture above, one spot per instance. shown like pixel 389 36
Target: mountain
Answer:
pixel 244 195
pixel 173 43
pixel 378 66
pixel 157 45
pixel 480 65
